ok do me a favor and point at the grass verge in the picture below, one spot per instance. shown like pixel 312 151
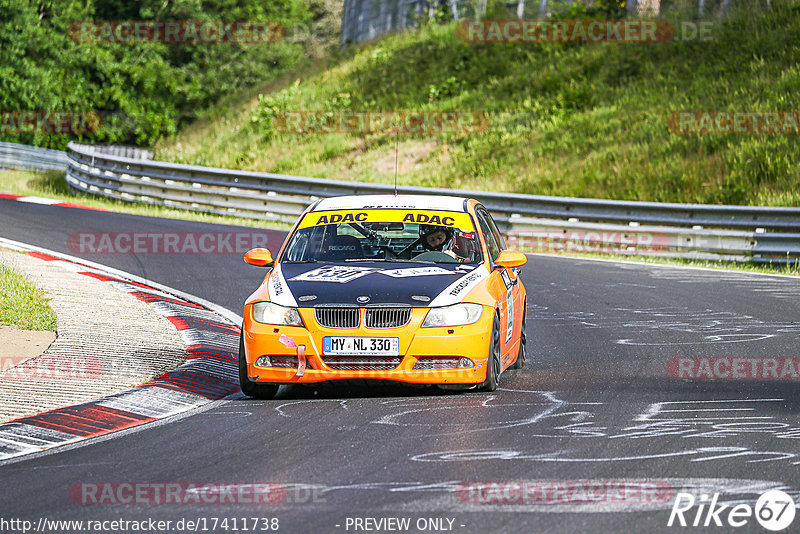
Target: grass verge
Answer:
pixel 22 304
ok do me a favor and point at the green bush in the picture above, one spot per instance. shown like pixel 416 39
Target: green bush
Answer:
pixel 269 107
pixel 143 91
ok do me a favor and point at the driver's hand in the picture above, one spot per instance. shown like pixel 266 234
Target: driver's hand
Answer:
pixel 454 255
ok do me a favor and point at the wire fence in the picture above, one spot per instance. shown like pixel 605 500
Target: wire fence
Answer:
pixel 363 20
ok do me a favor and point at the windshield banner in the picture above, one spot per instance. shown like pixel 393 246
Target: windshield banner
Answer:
pixel 438 218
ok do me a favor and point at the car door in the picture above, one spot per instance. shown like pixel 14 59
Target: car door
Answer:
pixel 509 293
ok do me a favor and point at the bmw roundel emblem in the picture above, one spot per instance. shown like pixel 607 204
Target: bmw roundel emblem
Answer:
pixel 363 299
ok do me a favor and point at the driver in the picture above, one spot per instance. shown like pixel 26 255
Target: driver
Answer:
pixel 436 238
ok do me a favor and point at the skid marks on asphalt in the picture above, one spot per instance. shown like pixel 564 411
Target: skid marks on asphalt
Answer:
pixel 423 417
pixel 699 431
pixel 674 325
pixel 598 495
pixel 706 431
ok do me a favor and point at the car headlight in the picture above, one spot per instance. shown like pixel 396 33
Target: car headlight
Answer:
pixel 269 313
pixel 456 315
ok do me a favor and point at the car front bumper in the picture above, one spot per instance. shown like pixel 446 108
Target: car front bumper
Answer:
pixel 468 341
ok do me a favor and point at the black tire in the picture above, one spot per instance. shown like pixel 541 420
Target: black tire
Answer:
pixel 493 363
pixel 253 389
pixel 521 355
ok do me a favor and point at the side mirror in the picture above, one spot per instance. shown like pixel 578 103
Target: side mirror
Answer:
pixel 509 259
pixel 260 257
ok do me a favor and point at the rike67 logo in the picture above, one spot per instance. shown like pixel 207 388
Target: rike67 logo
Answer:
pixel 774 510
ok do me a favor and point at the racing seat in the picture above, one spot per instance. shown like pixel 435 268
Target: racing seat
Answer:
pixel 465 247
pixel 342 247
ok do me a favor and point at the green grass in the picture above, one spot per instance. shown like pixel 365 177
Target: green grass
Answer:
pixel 22 304
pixel 51 184
pixel 587 120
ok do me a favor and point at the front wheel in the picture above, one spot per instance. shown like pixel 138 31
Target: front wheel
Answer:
pixel 493 363
pixel 249 388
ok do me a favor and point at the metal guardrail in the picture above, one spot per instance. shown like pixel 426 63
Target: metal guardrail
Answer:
pixel 34 158
pixel 31 158
pixel 532 222
pixel 124 151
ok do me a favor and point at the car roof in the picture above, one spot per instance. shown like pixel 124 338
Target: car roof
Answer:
pixel 419 202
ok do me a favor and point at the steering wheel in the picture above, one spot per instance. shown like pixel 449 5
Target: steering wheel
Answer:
pixel 435 256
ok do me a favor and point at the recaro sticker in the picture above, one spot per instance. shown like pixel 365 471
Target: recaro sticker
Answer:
pixel 340 274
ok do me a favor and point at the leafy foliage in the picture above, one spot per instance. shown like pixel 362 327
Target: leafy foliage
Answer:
pixel 143 91
pixel 269 107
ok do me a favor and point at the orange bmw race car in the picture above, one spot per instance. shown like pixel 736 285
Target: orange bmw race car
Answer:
pixel 416 289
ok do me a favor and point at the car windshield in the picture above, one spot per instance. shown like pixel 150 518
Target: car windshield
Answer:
pixel 385 241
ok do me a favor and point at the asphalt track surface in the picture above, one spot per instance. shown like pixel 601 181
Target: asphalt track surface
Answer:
pixel 594 404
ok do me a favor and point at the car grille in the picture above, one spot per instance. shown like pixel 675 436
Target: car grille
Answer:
pixel 437 362
pixel 287 362
pixel 284 361
pixel 384 317
pixel 337 317
pixel 362 363
pixel 387 317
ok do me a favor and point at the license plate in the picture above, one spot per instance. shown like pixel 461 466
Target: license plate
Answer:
pixel 361 346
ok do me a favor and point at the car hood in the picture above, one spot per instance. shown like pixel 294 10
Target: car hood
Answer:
pixel 366 283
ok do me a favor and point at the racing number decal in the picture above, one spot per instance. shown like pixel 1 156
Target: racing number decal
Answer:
pixel 334 273
pixel 506 279
pixel 509 314
pixel 509 304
